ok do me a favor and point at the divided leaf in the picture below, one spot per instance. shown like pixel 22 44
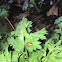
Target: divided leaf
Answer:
pixel 54 52
pixel 23 32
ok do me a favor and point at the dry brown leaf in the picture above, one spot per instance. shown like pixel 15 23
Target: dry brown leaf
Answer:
pixel 20 16
pixel 53 10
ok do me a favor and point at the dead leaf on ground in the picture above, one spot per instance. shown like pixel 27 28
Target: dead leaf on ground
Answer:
pixel 53 10
pixel 20 16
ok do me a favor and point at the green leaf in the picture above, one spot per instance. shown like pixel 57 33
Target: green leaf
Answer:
pixel 23 58
pixel 32 1
pixel 60 25
pixel 22 39
pixel 3 13
pixel 5 56
pixel 61 37
pixel 35 56
pixel 58 31
pixel 17 44
pixel 59 20
pixel 33 38
pixel 0 37
pixel 25 7
pixel 40 34
pixel 31 5
pixel 54 52
pixel 56 36
pixel 23 25
pixel 23 31
pixel 35 44
pixel 15 56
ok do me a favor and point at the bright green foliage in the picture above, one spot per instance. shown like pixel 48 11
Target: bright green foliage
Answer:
pixel 34 37
pixel 31 37
pixel 35 44
pixel 24 27
pixel 23 51
pixel 5 56
pixel 3 45
pixel 35 56
pixel 22 58
pixel 15 56
pixel 54 52
pixel 23 36
pixel 18 45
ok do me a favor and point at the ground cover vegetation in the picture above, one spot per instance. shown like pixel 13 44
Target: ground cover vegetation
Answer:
pixel 30 31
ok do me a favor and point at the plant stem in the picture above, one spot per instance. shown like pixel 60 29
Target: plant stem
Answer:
pixel 10 23
pixel 36 8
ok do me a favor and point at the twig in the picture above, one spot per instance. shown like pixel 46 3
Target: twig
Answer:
pixel 10 23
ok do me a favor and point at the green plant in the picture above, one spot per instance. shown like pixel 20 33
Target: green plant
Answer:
pixel 3 14
pixel 35 5
pixel 58 34
pixel 20 41
pixel 3 11
pixel 24 39
pixel 5 56
pixel 32 3
pixel 27 47
pixel 3 28
pixel 25 6
pixel 0 36
pixel 52 51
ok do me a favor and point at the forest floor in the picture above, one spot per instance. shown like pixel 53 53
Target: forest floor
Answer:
pixel 45 19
